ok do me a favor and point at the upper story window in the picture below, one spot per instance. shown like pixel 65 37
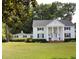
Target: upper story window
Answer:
pixel 67 28
pixel 40 29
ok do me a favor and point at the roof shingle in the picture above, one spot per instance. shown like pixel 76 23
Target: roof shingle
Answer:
pixel 45 22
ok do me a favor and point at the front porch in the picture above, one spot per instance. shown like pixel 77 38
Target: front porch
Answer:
pixel 55 33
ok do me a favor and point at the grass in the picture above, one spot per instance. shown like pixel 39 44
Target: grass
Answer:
pixel 21 50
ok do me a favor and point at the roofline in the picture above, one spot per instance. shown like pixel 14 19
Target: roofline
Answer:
pixel 56 20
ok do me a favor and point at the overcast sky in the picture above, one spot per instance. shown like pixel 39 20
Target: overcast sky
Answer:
pixel 50 1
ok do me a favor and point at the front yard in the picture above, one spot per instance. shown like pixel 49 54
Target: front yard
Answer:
pixel 21 50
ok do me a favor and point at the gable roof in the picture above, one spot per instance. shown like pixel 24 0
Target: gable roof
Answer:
pixel 22 33
pixel 66 22
pixel 45 22
pixel 41 22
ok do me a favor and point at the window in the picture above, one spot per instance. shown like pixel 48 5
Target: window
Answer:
pixel 24 36
pixel 66 28
pixel 40 35
pixel 40 29
pixel 67 34
pixel 37 35
pixel 31 36
pixel 16 36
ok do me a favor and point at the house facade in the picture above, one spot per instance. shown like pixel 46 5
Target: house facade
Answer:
pixel 53 30
pixel 21 35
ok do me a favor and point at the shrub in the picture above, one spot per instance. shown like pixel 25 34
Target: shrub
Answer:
pixel 17 40
pixel 3 40
pixel 70 40
pixel 28 40
pixel 39 40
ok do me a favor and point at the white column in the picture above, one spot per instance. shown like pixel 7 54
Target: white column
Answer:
pixel 63 32
pixel 57 33
pixel 47 33
pixel 52 34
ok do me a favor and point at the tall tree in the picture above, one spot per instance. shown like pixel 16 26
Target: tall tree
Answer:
pixel 15 13
pixel 55 10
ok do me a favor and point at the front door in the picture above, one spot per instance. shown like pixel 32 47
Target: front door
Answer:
pixel 55 36
pixel 50 37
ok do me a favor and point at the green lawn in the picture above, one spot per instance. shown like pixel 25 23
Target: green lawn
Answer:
pixel 21 50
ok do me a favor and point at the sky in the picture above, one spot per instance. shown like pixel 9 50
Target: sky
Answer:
pixel 50 1
pixel 63 1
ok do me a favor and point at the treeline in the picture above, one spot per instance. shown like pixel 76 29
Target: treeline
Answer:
pixel 17 15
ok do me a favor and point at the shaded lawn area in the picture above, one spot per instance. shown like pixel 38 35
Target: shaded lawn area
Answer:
pixel 21 50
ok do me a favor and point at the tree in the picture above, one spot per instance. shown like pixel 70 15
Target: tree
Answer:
pixel 15 13
pixel 3 31
pixel 55 10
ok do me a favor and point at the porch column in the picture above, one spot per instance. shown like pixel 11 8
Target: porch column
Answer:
pixel 63 32
pixel 52 34
pixel 57 33
pixel 47 33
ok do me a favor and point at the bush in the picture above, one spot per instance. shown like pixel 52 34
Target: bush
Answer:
pixel 39 40
pixel 17 40
pixel 70 40
pixel 28 40
pixel 3 40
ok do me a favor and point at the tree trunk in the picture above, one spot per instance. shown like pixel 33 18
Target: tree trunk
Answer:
pixel 7 32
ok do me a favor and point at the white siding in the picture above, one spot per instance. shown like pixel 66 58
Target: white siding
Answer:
pixel 35 32
pixel 55 23
pixel 21 36
pixel 72 31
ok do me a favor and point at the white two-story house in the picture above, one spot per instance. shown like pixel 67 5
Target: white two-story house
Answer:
pixel 53 30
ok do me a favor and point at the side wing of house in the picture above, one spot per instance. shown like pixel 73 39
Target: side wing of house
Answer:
pixel 69 32
pixel 69 29
pixel 22 36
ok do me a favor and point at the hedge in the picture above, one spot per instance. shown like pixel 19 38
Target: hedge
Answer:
pixel 14 40
pixel 70 40
pixel 39 40
pixel 17 40
pixel 28 40
pixel 3 40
